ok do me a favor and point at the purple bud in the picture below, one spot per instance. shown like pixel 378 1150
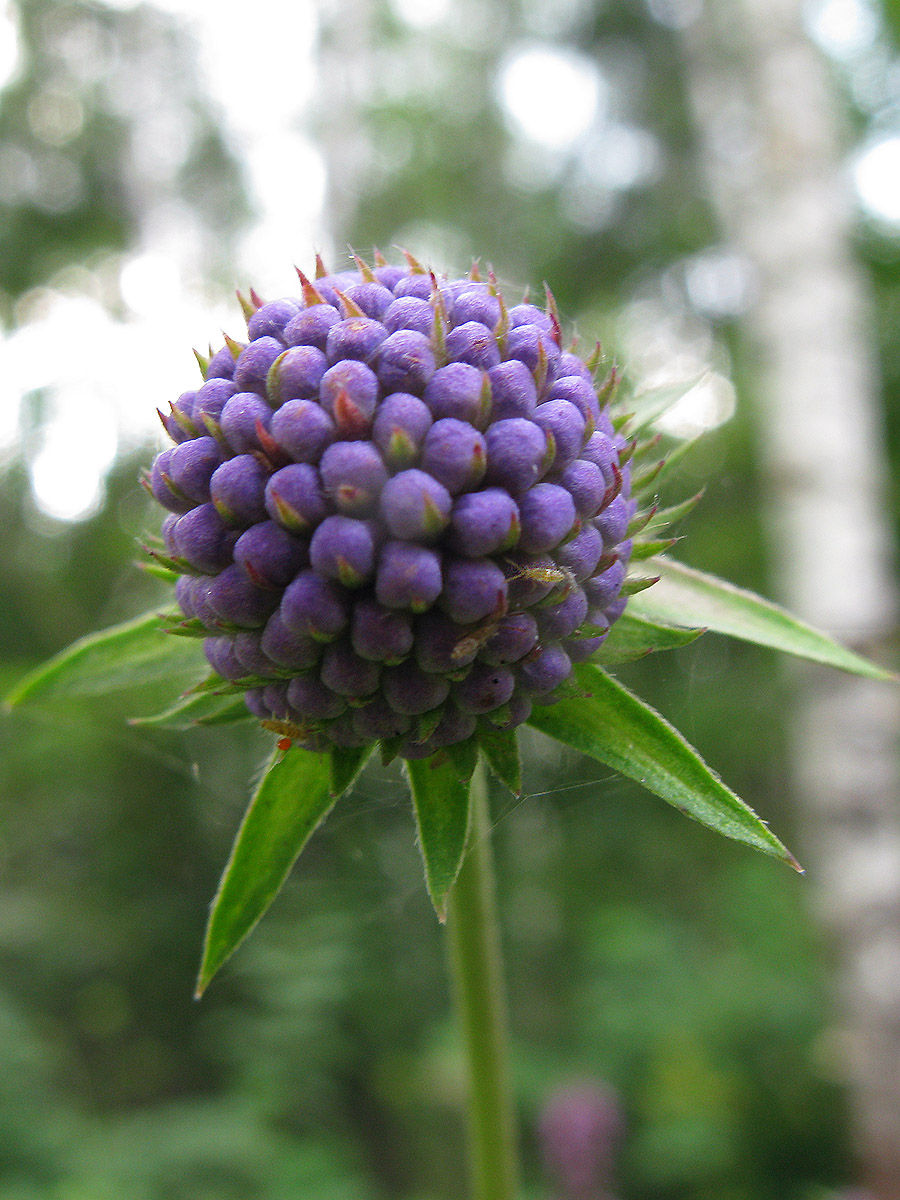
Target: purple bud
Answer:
pixel 373 298
pixel 414 285
pixel 513 713
pixel 270 319
pixel 476 304
pixel 515 636
pixel 565 424
pixel 405 361
pixel 200 605
pixel 544 670
pixel 612 522
pixel 516 454
pixel 275 700
pixel 615 609
pixel 415 506
pixel 485 688
pixel 238 489
pixel 312 700
pixel 458 390
pixel 256 704
pixel 454 726
pixel 311 326
pixel 296 375
pixel 221 657
pixel 581 555
pixel 348 674
pixel 602 589
pixel 286 647
pixel 585 483
pixel 570 364
pixel 349 394
pixel 473 589
pixel 455 454
pixel 380 633
pixel 314 606
pixel 389 276
pixel 162 485
pixel 444 646
pixel 401 423
pixel 377 720
pixel 547 514
pixel 408 576
pixel 412 691
pixel 235 599
pixel 302 429
pixel 580 649
pixel 581 393
pixel 221 365
pixel 191 466
pixel 600 449
pixel 484 523
pixel 354 337
pixel 531 577
pixel 211 399
pixel 353 474
pixel 269 555
pixel 343 549
pixel 253 364
pixel 409 312
pixel 251 656
pixel 524 342
pixel 561 620
pixel 475 344
pixel 343 732
pixel 513 393
pixel 293 498
pixel 530 314
pixel 203 540
pixel 239 420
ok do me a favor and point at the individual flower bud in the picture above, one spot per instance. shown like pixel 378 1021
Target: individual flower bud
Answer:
pixel 409 312
pixel 254 362
pixel 238 601
pixel 191 465
pixel 343 549
pixel 203 539
pixel 530 314
pixel 302 429
pixel 516 454
pixel 580 392
pixel 270 319
pixel 221 657
pixel 314 606
pixel 373 298
pixel 250 654
pixel 443 646
pixel 238 490
pixel 513 392
pixel 485 688
pixel 410 690
pixel 221 365
pixel 581 555
pixel 269 555
pixel 476 305
pixel 586 485
pixel 475 344
pixel 612 522
pixel 293 498
pixel 514 636
pixel 310 327
pixel 458 390
pixel 288 648
pixel 162 485
pixel 455 454
pixel 601 450
pixel 353 474
pixel 558 621
pixel 211 398
pixel 296 375
pixel 408 576
pixel 602 589
pixel 240 418
pixel 347 673
pixel 399 429
pixel 531 577
pixel 565 424
pixel 378 720
pixel 312 700
pixel 532 345
pixel 547 514
pixel 405 361
pixel 354 337
pixel 349 394
pixel 473 589
pixel 379 633
pixel 571 365
pixel 484 523
pixel 545 669
pixel 415 506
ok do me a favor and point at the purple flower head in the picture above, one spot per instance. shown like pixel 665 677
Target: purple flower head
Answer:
pixel 401 505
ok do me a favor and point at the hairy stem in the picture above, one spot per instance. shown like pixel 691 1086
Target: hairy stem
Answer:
pixel 476 965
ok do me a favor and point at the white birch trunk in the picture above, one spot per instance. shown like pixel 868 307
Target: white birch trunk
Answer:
pixel 762 103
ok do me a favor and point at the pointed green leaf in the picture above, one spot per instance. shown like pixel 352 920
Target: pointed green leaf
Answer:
pixel 631 638
pixel 441 802
pixel 203 709
pixel 292 799
pixel 684 596
pixel 646 406
pixel 501 749
pixel 126 655
pixel 346 764
pixel 618 729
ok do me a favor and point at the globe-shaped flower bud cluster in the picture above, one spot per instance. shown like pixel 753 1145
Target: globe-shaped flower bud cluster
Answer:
pixel 398 510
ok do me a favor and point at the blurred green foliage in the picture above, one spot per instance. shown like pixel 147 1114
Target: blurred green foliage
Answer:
pixel 684 971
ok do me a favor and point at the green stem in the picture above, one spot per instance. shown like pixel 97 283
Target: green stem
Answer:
pixel 476 964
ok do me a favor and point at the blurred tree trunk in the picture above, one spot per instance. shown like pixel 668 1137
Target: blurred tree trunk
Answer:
pixel 771 140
